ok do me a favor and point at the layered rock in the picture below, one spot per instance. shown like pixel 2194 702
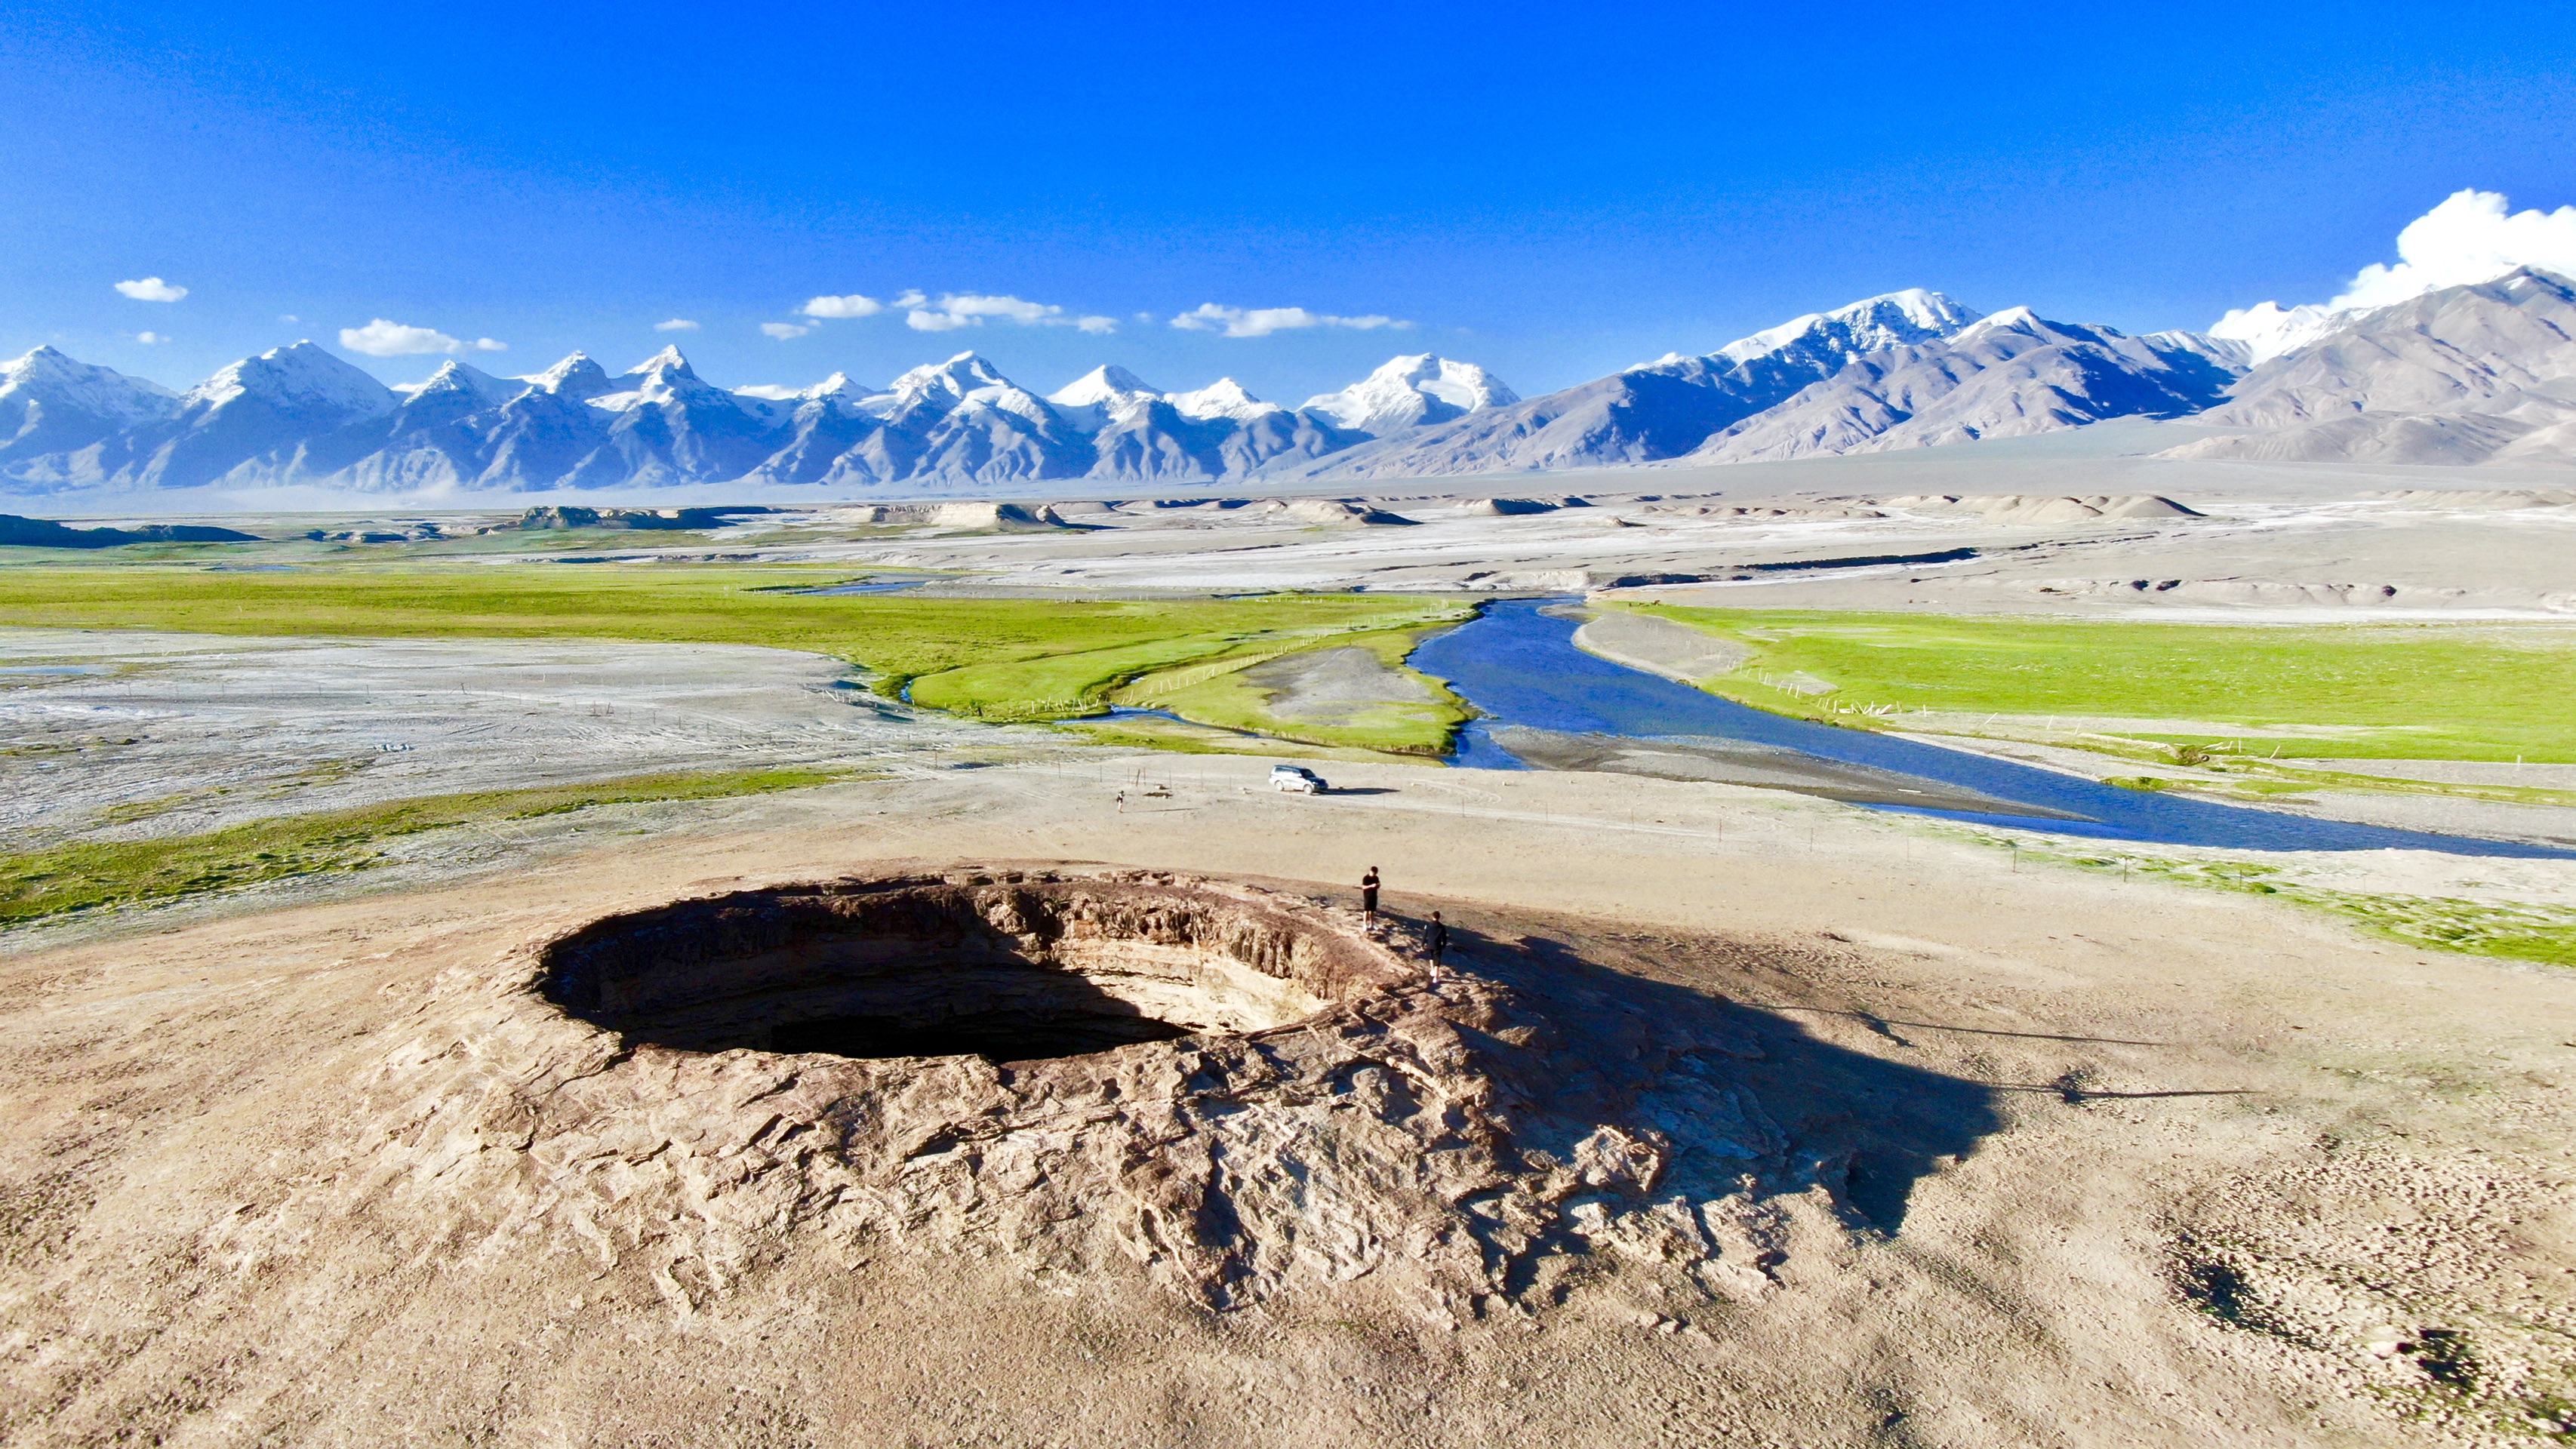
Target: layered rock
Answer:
pixel 1297 1105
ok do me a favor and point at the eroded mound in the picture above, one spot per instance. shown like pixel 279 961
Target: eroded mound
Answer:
pixel 1233 1092
pixel 1014 967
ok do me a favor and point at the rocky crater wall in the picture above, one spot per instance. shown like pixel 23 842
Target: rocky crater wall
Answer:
pixel 1111 1077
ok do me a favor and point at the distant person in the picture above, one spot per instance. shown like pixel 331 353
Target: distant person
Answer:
pixel 1435 944
pixel 1368 894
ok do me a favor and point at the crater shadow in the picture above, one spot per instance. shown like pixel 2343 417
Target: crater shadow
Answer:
pixel 1734 1088
pixel 1007 969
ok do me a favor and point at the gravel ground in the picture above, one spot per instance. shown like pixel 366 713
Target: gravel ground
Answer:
pixel 171 734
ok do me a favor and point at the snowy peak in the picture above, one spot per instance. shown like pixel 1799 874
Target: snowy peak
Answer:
pixel 955 379
pixel 2013 374
pixel 665 363
pixel 576 378
pixel 2267 331
pixel 1109 384
pixel 2010 319
pixel 1872 324
pixel 1223 398
pixel 1409 392
pixel 45 377
pixel 302 380
pixel 50 403
pixel 2490 347
pixel 455 382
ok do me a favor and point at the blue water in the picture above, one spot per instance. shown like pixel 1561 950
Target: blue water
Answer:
pixel 1519 665
pixel 872 586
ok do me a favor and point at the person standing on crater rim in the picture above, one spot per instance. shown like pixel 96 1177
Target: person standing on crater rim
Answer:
pixel 1368 895
pixel 1435 944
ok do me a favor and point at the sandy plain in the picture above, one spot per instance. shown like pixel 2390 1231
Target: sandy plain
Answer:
pixel 2067 1154
pixel 2210 1160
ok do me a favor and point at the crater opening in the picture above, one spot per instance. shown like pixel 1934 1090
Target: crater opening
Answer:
pixel 1008 965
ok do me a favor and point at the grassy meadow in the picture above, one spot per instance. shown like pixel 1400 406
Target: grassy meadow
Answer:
pixel 994 659
pixel 2346 691
pixel 1215 692
pixel 89 875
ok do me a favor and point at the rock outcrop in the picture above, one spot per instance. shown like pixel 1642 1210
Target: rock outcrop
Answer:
pixel 1297 1105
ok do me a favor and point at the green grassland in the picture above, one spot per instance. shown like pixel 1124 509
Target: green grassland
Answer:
pixel 95 874
pixel 2371 691
pixel 999 659
pixel 2517 931
pixel 1215 692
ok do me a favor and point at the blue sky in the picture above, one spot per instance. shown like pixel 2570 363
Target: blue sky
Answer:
pixel 1553 191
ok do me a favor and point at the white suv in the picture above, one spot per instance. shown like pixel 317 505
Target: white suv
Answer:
pixel 1297 780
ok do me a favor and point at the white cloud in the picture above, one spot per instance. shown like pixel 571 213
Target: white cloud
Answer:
pixel 288 317
pixel 852 305
pixel 1262 321
pixel 783 330
pixel 676 324
pixel 152 289
pixel 2471 237
pixel 381 338
pixel 150 339
pixel 952 310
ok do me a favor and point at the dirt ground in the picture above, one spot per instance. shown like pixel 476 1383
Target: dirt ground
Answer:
pixel 2160 1166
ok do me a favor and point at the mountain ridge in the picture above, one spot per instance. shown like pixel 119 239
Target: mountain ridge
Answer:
pixel 2472 374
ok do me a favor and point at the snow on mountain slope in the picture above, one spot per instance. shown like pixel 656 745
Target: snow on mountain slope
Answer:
pixel 1662 409
pixel 50 403
pixel 671 426
pixel 1101 397
pixel 2267 331
pixel 2471 374
pixel 1225 398
pixel 1869 325
pixel 960 420
pixel 2442 352
pixel 1106 384
pixel 2008 375
pixel 258 407
pixel 1408 392
pixel 576 377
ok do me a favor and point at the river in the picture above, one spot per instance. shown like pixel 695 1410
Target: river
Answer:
pixel 1517 662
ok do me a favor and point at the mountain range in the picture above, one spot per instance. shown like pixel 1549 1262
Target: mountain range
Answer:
pixel 2475 374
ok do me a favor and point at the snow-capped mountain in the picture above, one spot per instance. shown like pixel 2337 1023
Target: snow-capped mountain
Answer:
pixel 1103 394
pixel 667 425
pixel 1409 392
pixel 2267 329
pixel 2473 374
pixel 429 441
pixel 2007 375
pixel 2485 373
pixel 1661 409
pixel 1226 398
pixel 256 407
pixel 52 404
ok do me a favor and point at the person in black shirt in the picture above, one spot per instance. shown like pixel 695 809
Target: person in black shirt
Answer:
pixel 1435 944
pixel 1368 894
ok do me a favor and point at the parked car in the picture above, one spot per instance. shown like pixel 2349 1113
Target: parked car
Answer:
pixel 1297 780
